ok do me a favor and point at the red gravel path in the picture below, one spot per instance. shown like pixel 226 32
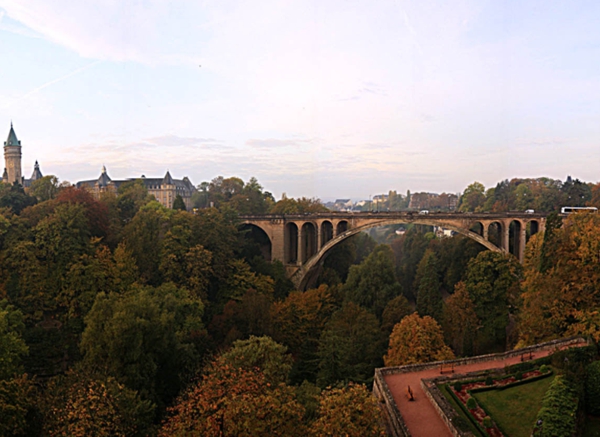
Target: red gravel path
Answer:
pixel 420 416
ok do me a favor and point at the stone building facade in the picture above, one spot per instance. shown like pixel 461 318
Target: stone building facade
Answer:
pixel 164 189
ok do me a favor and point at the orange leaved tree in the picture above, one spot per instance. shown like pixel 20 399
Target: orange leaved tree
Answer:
pixel 417 340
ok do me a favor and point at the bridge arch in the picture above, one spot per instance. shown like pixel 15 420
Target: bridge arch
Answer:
pixel 300 278
pixel 308 236
pixel 260 237
pixel 478 228
pixel 326 232
pixel 342 227
pixel 291 243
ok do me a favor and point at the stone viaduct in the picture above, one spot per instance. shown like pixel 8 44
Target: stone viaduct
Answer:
pixel 301 241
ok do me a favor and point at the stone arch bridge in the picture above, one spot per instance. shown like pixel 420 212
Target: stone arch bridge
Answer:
pixel 301 241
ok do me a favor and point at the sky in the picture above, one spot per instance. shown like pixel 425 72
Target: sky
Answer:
pixel 328 99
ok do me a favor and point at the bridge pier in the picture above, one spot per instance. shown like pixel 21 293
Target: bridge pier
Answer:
pixel 505 242
pixel 522 242
pixel 300 246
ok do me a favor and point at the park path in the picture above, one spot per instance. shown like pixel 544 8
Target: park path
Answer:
pixel 420 417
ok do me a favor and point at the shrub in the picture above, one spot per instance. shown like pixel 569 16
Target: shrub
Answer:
pixel 519 376
pixel 461 423
pixel 521 367
pixel 559 408
pixel 457 386
pixel 544 368
pixel 471 403
pixel 489 381
pixel 592 388
pixel 487 422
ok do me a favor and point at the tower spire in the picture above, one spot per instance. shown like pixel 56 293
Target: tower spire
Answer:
pixel 12 157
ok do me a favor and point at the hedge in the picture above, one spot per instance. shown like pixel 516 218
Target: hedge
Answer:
pixel 467 413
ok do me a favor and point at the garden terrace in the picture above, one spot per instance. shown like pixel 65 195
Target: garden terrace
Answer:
pixel 430 413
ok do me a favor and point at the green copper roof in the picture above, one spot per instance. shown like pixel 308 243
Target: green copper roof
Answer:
pixel 12 138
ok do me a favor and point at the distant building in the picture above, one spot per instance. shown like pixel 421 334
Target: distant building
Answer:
pixel 443 232
pixel 12 162
pixel 342 205
pixel 380 198
pixel 163 189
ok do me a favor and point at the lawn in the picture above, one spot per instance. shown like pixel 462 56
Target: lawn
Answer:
pixel 515 409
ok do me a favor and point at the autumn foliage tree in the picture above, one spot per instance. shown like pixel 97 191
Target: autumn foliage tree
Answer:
pixel 351 411
pixel 235 401
pixel 301 318
pixel 561 298
pixel 417 340
pixel 81 404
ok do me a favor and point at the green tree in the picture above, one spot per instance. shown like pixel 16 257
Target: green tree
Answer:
pixel 179 204
pixel 372 283
pixel 350 347
pixel 493 283
pixel 472 198
pixel 592 388
pixel 288 205
pixel 131 196
pixel 524 197
pixel 143 235
pixel 409 250
pixel 395 310
pixel 15 198
pixel 12 345
pixel 263 353
pixel 427 283
pixel 576 193
pixel 149 339
pixel 45 188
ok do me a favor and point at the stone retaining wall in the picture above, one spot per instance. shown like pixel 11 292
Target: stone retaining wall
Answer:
pixel 394 422
pixel 443 408
pixel 396 425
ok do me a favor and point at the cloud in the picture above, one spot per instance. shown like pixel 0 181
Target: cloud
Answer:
pixel 177 141
pixel 272 143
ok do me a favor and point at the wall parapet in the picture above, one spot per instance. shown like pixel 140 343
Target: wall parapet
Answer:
pixel 394 422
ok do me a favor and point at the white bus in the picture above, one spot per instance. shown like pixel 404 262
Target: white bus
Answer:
pixel 570 209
